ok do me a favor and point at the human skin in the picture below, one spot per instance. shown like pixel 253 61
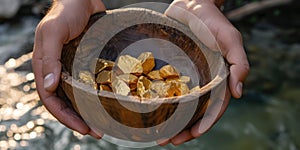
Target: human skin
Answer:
pixel 204 16
pixel 67 19
pixel 64 22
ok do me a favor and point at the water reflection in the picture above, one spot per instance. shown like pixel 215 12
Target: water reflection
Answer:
pixel 18 103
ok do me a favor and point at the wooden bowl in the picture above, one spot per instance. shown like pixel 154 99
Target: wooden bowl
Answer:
pixel 123 116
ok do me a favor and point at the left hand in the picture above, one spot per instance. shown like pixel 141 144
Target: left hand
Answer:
pixel 64 21
pixel 209 25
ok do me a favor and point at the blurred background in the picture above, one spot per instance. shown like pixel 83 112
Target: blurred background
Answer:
pixel 266 118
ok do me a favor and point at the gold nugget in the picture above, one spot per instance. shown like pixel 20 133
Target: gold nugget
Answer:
pixel 98 64
pixel 184 79
pixel 163 89
pixel 104 77
pixel 120 87
pixel 168 71
pixel 135 76
pixel 104 87
pixel 133 93
pixel 128 64
pixel 147 61
pixel 195 89
pixel 179 85
pixel 133 87
pixel 171 91
pixel 149 94
pixel 128 78
pixel 182 89
pixel 143 85
pixel 87 78
pixel 154 75
pixel 173 79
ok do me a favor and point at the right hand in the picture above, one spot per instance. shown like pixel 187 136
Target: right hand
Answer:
pixel 210 26
pixel 64 22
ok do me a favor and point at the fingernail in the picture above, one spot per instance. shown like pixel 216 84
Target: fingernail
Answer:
pixel 239 89
pixel 48 80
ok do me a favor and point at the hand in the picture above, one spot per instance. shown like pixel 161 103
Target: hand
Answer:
pixel 204 18
pixel 64 22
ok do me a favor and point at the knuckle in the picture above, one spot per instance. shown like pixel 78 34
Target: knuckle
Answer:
pixel 44 25
pixel 233 32
pixel 47 25
pixel 247 68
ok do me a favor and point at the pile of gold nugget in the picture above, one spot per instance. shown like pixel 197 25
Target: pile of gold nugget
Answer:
pixel 136 77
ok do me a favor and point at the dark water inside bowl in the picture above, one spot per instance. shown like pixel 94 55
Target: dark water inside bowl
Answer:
pixel 266 118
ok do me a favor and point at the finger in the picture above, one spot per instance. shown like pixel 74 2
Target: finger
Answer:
pixel 64 114
pixel 95 133
pixel 56 106
pixel 98 6
pixel 51 73
pixel 230 41
pixel 177 10
pixel 213 112
pixel 163 142
pixel 182 138
pixel 49 42
pixel 45 59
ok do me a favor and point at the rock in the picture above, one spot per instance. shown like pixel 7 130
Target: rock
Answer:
pixel 9 8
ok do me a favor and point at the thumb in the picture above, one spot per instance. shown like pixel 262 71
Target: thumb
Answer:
pixel 51 72
pixel 232 48
pixel 49 43
pixel 51 65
